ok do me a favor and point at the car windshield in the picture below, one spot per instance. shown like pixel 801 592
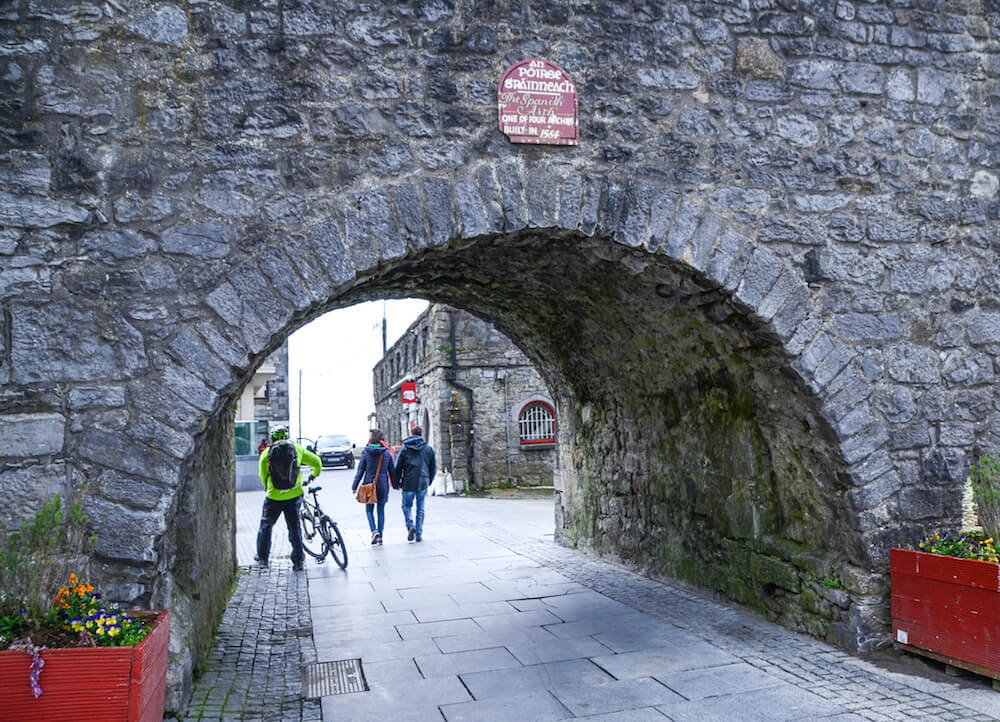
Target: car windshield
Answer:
pixel 325 443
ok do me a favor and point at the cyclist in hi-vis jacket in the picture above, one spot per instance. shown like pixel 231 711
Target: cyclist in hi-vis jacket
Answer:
pixel 283 501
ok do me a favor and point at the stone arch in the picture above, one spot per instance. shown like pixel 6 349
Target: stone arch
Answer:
pixel 809 208
pixel 553 230
pixel 673 257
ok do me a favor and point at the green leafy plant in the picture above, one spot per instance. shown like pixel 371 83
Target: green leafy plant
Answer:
pixel 972 545
pixel 832 583
pixel 985 476
pixel 34 562
pixel 38 611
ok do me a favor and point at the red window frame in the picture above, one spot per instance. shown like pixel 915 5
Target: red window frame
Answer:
pixel 539 427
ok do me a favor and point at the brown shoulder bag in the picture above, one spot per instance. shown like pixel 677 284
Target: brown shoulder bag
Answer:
pixel 366 492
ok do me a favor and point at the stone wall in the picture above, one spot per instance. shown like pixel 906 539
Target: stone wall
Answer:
pixel 197 571
pixel 761 290
pixel 275 407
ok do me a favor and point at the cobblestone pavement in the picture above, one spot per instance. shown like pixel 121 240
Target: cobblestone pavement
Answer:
pixel 271 632
pixel 254 670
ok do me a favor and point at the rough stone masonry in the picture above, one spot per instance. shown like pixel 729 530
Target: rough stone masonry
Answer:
pixel 762 289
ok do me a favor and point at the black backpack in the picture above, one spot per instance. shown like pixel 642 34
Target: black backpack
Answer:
pixel 283 465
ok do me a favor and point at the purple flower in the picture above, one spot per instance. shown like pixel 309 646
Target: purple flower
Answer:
pixel 37 662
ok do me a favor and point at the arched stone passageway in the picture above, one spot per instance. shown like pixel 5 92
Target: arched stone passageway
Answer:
pixel 760 288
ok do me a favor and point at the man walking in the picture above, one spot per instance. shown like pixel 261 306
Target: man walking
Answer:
pixel 280 473
pixel 414 471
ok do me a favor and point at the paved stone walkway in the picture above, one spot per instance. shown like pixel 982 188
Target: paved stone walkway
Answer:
pixel 489 619
pixel 859 689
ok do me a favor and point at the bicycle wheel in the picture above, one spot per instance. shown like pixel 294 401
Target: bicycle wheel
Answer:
pixel 314 546
pixel 334 541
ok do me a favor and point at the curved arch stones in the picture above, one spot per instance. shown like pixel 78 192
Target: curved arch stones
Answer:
pixel 759 290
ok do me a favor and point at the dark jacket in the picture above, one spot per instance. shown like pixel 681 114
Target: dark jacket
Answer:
pixel 415 465
pixel 369 464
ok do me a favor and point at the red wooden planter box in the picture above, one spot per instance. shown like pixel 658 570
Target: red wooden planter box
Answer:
pixel 947 609
pixel 93 683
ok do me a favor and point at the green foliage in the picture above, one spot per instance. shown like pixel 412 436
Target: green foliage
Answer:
pixel 973 545
pixel 832 583
pixel 34 560
pixel 986 489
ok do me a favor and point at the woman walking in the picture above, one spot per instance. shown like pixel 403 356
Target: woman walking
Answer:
pixel 376 463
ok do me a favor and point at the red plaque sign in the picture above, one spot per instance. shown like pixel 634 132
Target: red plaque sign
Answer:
pixel 408 392
pixel 537 103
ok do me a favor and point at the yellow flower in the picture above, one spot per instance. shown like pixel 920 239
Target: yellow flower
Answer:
pixel 72 579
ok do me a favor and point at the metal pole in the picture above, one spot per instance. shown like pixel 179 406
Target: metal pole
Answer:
pixel 299 430
pixel 506 425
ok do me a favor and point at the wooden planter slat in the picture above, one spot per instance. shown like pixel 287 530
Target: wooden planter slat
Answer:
pixel 954 607
pixel 947 608
pixel 94 683
pixel 965 572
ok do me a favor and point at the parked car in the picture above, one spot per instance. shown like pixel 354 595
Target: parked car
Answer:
pixel 335 450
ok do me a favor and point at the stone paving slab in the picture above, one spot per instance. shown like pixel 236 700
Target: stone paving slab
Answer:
pixel 555 650
pixel 487 640
pixel 488 588
pixel 710 681
pixel 617 695
pixel 476 660
pixel 784 702
pixel 378 652
pixel 536 678
pixel 418 701
pixel 537 707
pixel 647 714
pixel 453 610
pixel 684 655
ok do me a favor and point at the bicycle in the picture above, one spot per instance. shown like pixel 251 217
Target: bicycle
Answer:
pixel 315 522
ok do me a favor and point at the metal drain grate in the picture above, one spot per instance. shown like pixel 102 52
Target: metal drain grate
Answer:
pixel 326 678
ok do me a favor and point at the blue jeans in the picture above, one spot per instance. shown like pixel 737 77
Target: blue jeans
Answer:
pixel 408 497
pixel 369 510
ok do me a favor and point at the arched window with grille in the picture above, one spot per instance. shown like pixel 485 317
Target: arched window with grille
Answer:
pixel 536 424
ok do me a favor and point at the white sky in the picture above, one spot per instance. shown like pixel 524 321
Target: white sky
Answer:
pixel 335 354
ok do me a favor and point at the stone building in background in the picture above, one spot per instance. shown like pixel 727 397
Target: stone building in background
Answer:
pixel 270 399
pixel 483 406
pixel 263 403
